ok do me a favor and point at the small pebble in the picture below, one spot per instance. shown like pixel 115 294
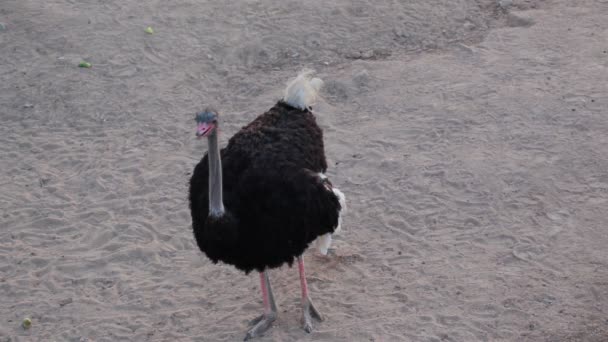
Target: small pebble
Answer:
pixel 2 27
pixel 367 54
pixel 469 26
pixel 85 65
pixel 65 302
pixel 149 30
pixel 27 323
pixel 504 4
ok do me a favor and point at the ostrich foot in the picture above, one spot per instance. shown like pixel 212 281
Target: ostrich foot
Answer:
pixel 308 312
pixel 256 320
pixel 263 322
pixel 260 325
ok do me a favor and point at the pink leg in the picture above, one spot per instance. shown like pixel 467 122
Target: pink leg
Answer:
pixel 308 308
pixel 265 298
pixel 262 323
pixel 303 283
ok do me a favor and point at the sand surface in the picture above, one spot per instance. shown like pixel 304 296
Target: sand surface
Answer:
pixel 470 138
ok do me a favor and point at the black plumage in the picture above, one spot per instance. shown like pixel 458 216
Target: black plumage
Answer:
pixel 276 202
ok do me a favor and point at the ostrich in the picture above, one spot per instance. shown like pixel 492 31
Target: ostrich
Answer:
pixel 260 201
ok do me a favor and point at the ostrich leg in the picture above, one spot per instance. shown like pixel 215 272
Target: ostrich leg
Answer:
pixel 308 309
pixel 263 322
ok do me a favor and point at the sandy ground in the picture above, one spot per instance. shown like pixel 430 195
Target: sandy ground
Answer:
pixel 471 141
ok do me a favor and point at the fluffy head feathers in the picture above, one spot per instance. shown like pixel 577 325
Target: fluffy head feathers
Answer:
pixel 302 91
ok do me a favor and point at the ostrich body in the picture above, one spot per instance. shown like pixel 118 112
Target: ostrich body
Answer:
pixel 259 202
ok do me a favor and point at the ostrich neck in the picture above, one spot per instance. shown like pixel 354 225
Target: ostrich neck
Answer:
pixel 216 204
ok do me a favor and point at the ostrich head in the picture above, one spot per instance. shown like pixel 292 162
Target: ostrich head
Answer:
pixel 206 122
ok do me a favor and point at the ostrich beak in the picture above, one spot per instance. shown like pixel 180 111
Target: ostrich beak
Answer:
pixel 203 129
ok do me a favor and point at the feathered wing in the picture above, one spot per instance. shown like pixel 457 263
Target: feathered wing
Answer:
pixel 316 202
pixel 282 211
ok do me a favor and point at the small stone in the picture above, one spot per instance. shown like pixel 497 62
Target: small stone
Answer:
pixel 400 32
pixel 2 27
pixel 27 323
pixel 149 30
pixel 367 54
pixel 504 4
pixel 515 21
pixel 28 105
pixel 469 26
pixel 85 65
pixel 65 302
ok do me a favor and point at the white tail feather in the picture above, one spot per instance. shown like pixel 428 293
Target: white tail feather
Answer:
pixel 342 200
pixel 324 241
pixel 302 91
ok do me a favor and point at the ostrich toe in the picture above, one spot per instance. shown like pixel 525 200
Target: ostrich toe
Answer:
pixel 309 311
